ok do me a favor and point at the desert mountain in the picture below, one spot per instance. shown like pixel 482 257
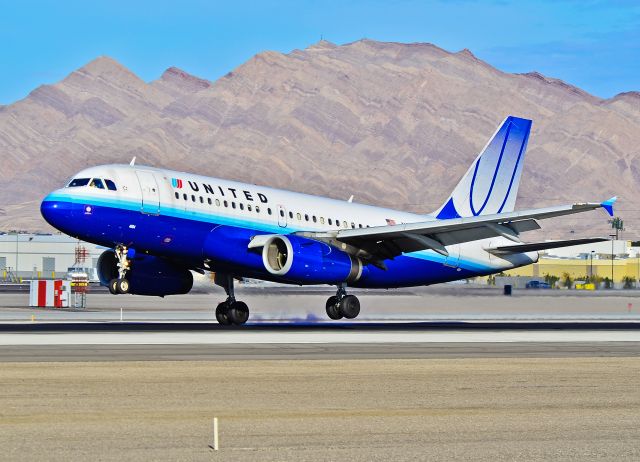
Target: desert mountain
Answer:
pixel 395 124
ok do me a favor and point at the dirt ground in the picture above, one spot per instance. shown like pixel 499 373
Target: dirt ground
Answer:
pixel 357 410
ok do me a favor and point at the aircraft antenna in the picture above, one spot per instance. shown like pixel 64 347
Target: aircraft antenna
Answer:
pixel 133 161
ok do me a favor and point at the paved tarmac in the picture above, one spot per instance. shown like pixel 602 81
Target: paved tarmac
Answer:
pixel 300 351
pixel 438 303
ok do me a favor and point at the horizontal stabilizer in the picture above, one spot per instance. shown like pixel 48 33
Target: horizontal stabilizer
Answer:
pixel 534 246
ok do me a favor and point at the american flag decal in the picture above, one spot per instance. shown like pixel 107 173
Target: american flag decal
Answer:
pixel 176 183
pixel 390 221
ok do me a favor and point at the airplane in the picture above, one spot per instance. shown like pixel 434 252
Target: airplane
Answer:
pixel 160 225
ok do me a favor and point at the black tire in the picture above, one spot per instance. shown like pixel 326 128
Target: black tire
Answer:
pixel 222 314
pixel 238 313
pixel 113 287
pixel 122 286
pixel 332 308
pixel 350 306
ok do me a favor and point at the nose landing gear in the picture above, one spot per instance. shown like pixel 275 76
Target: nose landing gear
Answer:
pixel 231 311
pixel 342 305
pixel 120 285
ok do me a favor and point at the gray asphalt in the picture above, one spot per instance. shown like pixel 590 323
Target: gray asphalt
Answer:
pixel 208 352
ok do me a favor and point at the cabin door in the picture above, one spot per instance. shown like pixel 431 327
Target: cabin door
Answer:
pixel 150 192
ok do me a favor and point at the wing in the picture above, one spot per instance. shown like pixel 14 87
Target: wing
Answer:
pixel 386 242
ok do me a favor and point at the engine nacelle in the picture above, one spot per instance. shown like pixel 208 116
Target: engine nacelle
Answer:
pixel 302 260
pixel 148 275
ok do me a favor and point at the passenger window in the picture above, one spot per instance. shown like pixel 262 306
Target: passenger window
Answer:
pixel 177 195
pixel 344 224
pixel 353 225
pixel 291 215
pixel 306 217
pixel 111 186
pixel 269 210
pixel 193 198
pixel 248 207
pixel 96 183
pixel 209 200
pixel 322 220
pixel 77 182
pixel 201 200
pixel 226 204
pixel 359 225
pixel 233 205
pixel 241 206
pixel 257 209
pixel 218 202
pixel 337 222
pixel 281 213
pixel 330 221
pixel 298 216
pixel 184 196
pixel 314 219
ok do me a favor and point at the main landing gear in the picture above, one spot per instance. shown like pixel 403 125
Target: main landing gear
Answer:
pixel 342 305
pixel 120 285
pixel 231 311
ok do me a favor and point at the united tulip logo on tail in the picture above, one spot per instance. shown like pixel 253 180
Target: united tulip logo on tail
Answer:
pixel 176 183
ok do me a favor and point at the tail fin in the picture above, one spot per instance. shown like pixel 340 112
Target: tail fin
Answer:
pixel 491 183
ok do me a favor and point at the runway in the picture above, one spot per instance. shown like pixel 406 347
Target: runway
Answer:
pixel 302 351
pixel 480 324
pixel 210 341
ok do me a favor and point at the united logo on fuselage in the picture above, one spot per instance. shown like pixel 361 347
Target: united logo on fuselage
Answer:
pixel 231 193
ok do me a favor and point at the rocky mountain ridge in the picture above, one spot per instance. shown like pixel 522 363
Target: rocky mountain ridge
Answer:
pixel 394 124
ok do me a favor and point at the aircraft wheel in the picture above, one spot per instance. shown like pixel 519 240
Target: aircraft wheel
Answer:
pixel 238 313
pixel 222 314
pixel 333 311
pixel 113 287
pixel 122 286
pixel 350 306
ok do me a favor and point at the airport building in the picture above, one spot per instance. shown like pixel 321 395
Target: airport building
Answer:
pixel 49 256
pixel 614 260
pixel 44 256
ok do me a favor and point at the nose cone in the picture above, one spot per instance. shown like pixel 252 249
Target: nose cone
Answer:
pixel 56 212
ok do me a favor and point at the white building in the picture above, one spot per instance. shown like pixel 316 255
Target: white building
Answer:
pixel 46 256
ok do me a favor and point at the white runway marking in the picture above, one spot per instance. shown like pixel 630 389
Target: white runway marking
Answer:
pixel 316 337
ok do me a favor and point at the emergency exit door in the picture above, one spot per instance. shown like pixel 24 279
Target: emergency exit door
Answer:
pixel 150 193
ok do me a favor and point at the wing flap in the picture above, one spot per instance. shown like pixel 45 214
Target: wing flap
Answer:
pixel 535 246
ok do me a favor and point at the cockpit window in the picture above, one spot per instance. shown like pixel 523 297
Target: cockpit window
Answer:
pixel 111 186
pixel 76 182
pixel 96 183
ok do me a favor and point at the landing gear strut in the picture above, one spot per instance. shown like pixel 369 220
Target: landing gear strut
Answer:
pixel 230 311
pixel 342 305
pixel 120 285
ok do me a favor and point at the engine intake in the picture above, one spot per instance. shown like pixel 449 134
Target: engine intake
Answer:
pixel 302 260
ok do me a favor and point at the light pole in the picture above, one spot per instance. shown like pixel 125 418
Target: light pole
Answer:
pixel 591 270
pixel 612 256
pixel 17 237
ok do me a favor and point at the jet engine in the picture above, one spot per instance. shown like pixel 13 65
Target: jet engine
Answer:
pixel 148 275
pixel 306 261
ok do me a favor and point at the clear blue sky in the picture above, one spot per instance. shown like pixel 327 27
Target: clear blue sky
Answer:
pixel 593 44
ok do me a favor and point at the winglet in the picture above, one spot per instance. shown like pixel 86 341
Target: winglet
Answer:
pixel 608 205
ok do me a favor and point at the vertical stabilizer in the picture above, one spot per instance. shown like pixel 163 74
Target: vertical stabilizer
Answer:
pixel 491 183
